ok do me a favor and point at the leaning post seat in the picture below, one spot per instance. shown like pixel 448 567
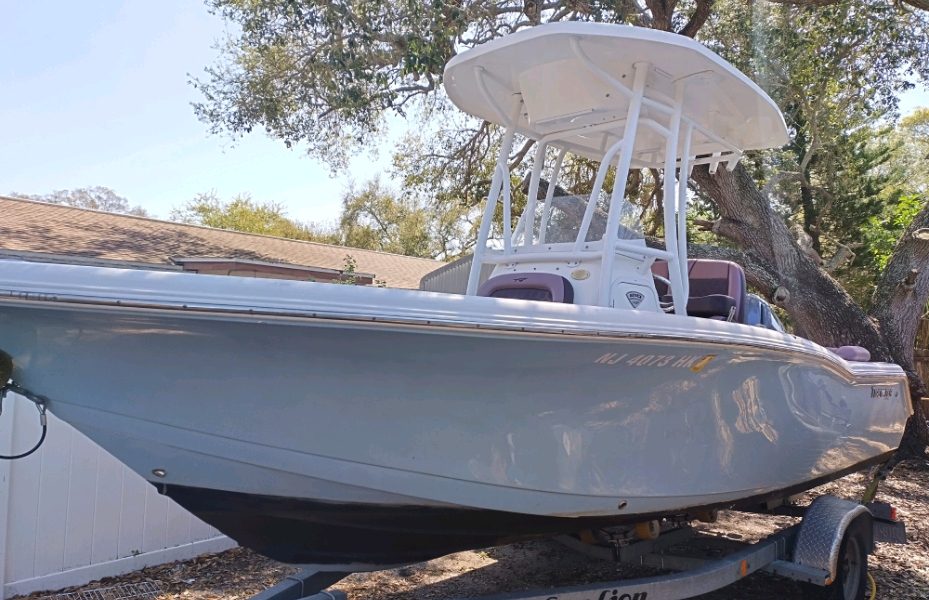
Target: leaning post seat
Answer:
pixel 852 353
pixel 717 288
pixel 545 287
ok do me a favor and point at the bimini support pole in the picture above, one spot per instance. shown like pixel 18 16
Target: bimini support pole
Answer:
pixel 532 202
pixel 683 177
pixel 619 185
pixel 549 195
pixel 500 179
pixel 677 267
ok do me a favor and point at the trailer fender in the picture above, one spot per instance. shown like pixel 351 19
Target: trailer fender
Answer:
pixel 823 529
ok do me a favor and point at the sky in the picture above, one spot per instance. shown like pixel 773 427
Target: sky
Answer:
pixel 97 93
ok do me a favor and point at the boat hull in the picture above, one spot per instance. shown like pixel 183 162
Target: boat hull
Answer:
pixel 522 431
pixel 354 537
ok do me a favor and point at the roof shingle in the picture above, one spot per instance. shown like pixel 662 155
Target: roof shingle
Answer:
pixel 30 226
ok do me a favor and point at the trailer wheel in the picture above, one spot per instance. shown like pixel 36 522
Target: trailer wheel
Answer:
pixel 851 582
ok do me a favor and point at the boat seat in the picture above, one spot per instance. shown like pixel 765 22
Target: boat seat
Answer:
pixel 852 353
pixel 544 287
pixel 712 306
pixel 717 288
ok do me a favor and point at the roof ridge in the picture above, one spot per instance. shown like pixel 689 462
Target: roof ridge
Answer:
pixel 232 231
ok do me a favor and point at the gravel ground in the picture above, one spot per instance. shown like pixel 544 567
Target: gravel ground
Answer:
pixel 901 572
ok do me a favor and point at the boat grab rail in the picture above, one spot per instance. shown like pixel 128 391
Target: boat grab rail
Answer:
pixel 532 254
pixel 516 258
pixel 595 189
pixel 626 247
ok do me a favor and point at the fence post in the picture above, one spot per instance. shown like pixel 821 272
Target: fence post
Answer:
pixel 6 474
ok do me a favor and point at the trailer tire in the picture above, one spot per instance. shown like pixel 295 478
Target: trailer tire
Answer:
pixel 851 582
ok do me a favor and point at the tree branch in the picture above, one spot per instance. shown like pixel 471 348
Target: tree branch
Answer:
pixel 701 14
pixel 920 4
pixel 897 305
pixel 521 154
pixel 903 288
pixel 662 13
pixel 758 272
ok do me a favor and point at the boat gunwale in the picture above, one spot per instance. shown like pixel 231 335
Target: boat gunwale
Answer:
pixel 854 373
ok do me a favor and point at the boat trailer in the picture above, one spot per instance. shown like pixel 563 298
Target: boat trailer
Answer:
pixel 827 550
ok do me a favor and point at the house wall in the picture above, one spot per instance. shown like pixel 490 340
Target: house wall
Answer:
pixel 71 513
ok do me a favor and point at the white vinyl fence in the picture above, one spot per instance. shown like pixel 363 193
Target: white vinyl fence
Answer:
pixel 71 513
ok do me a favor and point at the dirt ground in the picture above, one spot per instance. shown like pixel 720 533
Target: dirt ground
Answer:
pixel 900 571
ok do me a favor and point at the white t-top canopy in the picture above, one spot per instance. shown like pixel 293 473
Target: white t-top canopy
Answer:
pixel 578 76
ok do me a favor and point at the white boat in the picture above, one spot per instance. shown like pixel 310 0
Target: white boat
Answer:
pixel 591 381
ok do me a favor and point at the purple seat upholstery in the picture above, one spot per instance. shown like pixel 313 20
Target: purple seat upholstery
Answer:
pixel 545 287
pixel 717 287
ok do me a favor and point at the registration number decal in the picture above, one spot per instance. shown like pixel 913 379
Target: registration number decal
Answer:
pixel 694 362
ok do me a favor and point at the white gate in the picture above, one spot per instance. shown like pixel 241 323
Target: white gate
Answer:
pixel 71 513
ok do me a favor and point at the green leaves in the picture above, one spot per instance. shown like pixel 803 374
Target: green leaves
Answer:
pixel 247 215
pixel 324 75
pixel 836 72
pixel 372 218
pixel 376 218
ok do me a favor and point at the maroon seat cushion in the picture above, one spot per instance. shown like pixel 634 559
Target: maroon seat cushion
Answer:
pixel 711 282
pixel 714 305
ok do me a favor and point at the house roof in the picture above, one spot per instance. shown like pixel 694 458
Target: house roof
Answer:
pixel 41 228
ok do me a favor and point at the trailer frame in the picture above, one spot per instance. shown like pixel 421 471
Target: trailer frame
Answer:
pixel 809 552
